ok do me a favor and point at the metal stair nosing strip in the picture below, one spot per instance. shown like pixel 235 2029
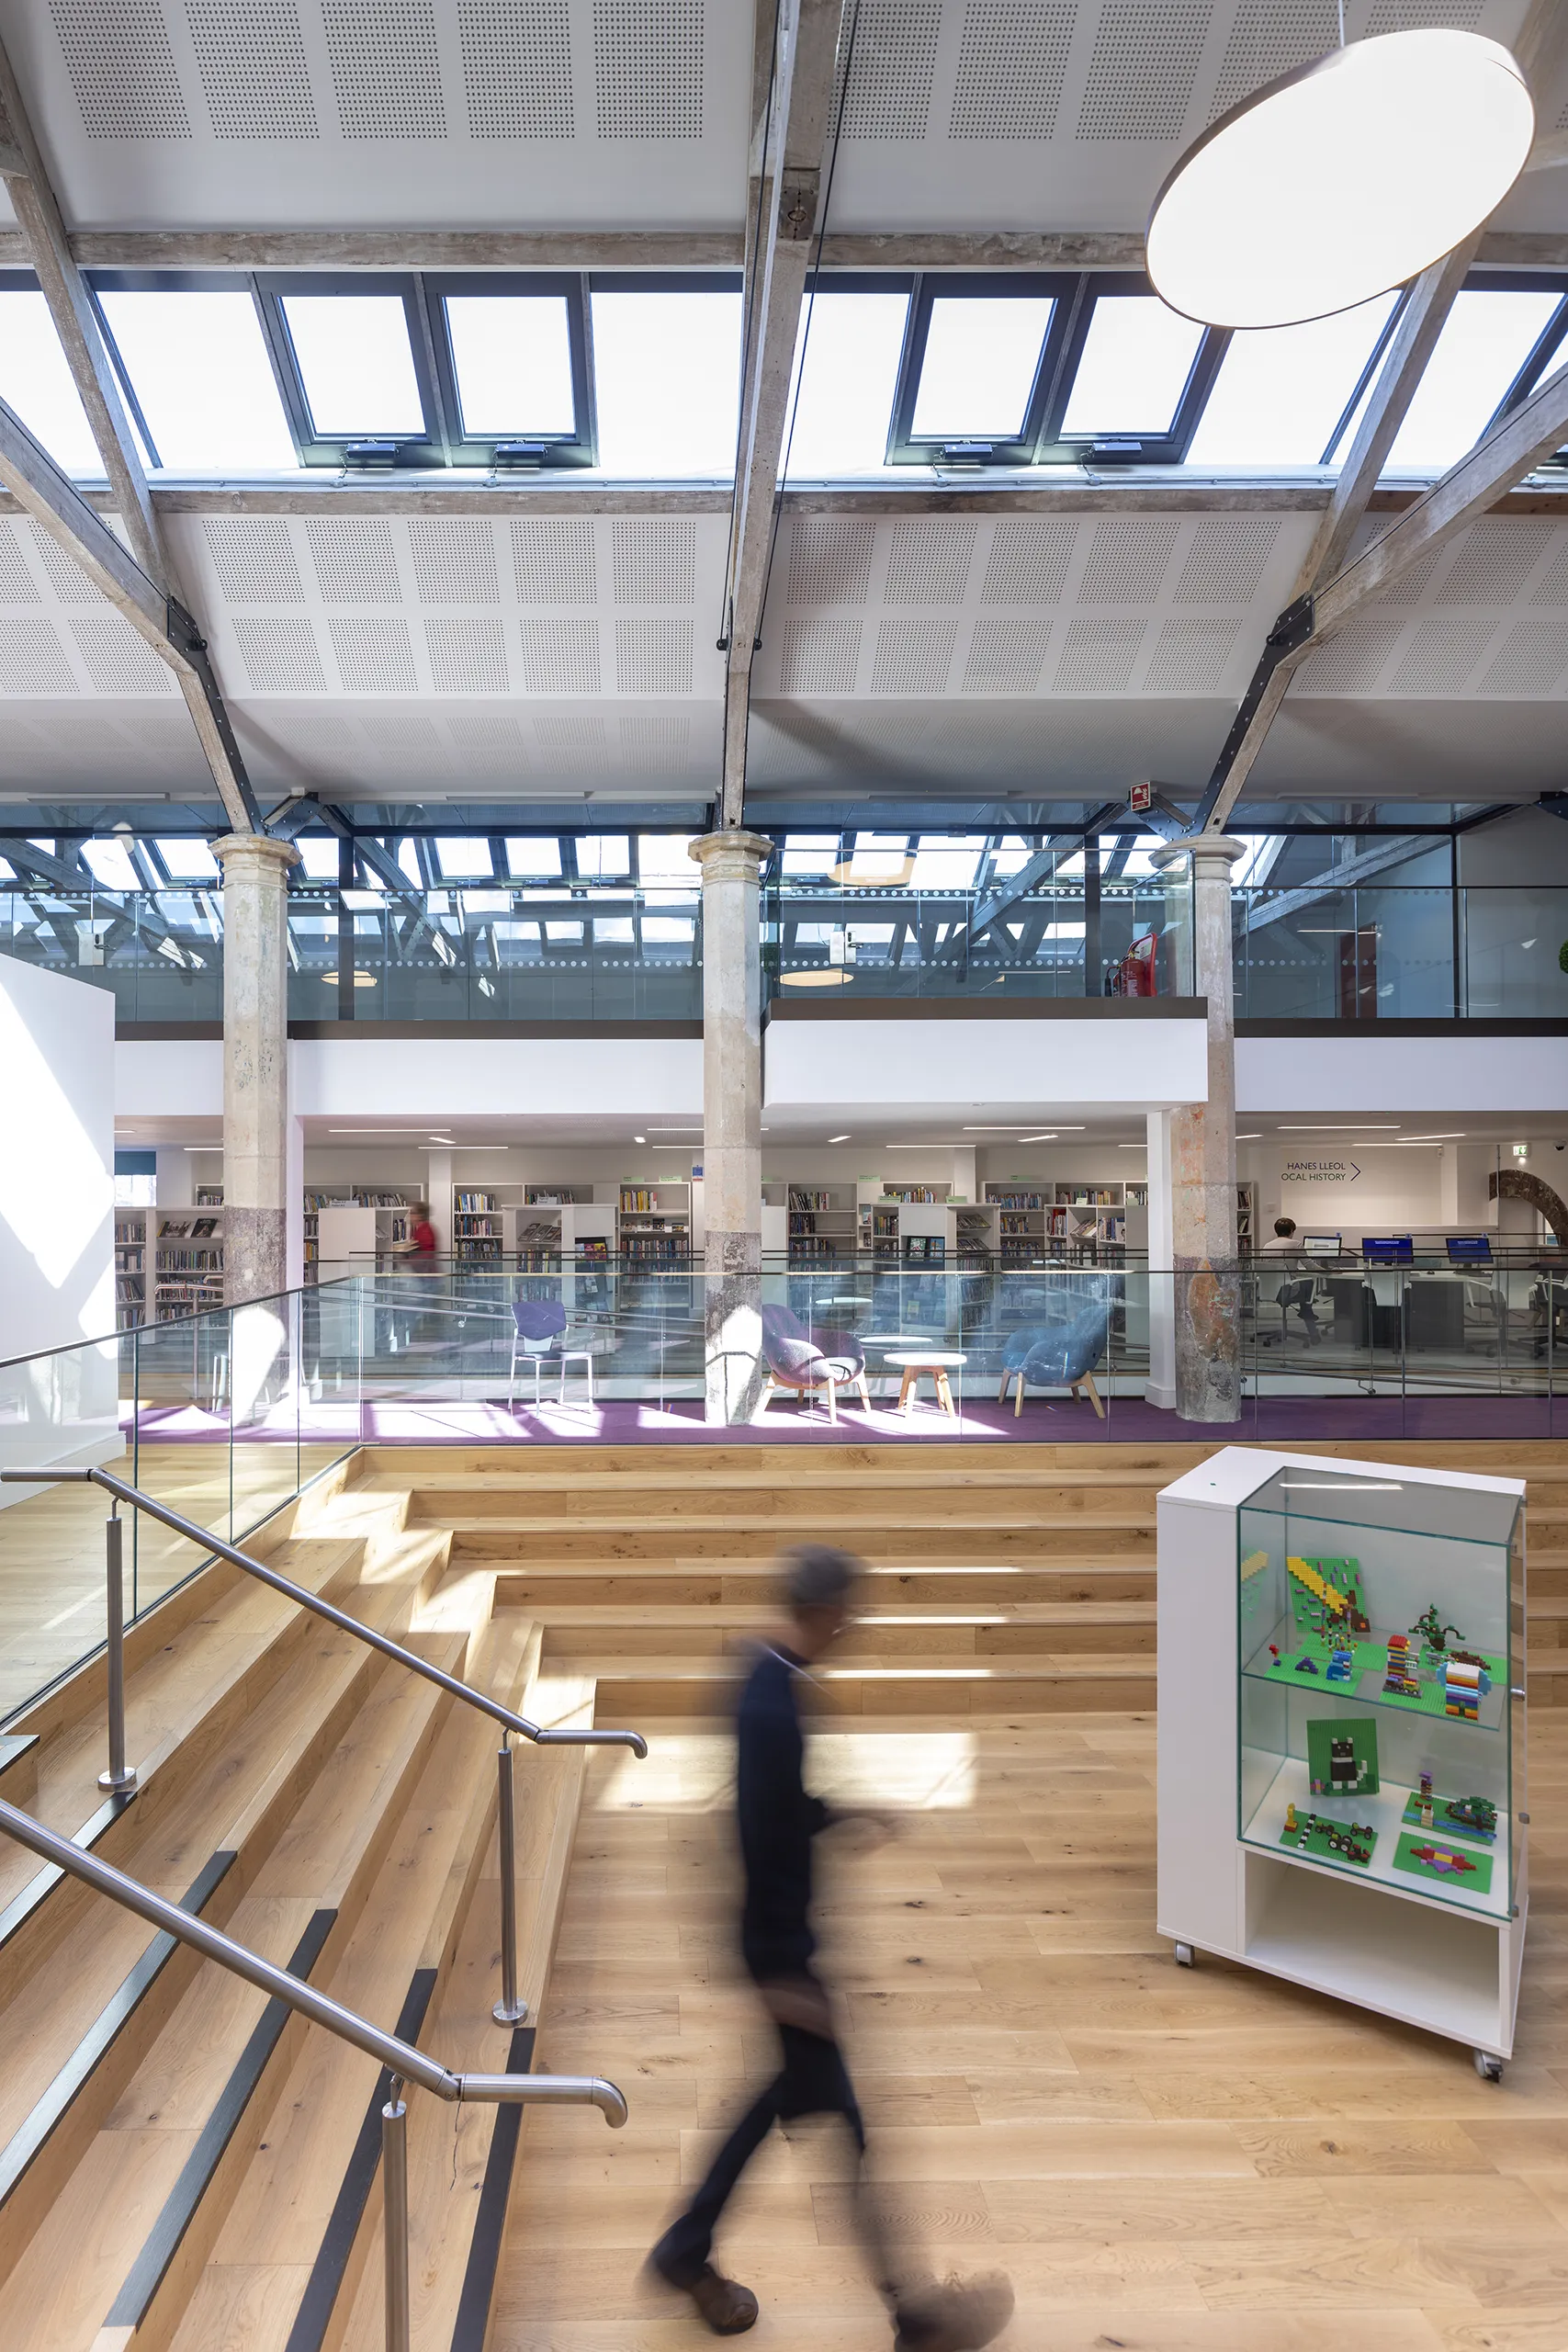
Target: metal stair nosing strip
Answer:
pixel 21 1908
pixel 32 2134
pixel 472 2324
pixel 162 2243
pixel 314 2316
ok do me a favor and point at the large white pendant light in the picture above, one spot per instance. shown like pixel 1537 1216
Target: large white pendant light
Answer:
pixel 1340 180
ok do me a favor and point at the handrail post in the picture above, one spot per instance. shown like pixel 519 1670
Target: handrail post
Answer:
pixel 509 2009
pixel 395 2217
pixel 119 1776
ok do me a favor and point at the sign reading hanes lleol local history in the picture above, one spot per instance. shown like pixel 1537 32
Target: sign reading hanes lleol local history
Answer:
pixel 1319 1171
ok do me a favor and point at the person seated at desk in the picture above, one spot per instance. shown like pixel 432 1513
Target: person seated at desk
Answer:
pixel 1296 1292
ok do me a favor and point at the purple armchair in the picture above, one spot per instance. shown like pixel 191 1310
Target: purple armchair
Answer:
pixel 795 1360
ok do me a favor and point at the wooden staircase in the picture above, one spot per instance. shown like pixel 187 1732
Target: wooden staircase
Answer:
pixel 1003 1577
pixel 185 2165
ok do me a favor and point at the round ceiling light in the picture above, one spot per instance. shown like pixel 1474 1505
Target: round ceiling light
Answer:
pixel 1340 180
pixel 813 979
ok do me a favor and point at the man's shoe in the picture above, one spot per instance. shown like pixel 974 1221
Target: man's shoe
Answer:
pixel 727 2307
pixel 959 2317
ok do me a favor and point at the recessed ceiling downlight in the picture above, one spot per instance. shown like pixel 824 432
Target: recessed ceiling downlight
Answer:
pixel 1340 180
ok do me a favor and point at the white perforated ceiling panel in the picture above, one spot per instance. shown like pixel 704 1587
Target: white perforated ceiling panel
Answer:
pixel 966 607
pixel 457 605
pixel 627 114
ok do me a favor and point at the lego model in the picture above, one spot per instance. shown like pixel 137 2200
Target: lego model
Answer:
pixel 1472 1818
pixel 1478 1816
pixel 1342 1841
pixel 1400 1678
pixel 1342 1757
pixel 1340 1666
pixel 1463 1690
pixel 1425 1856
pixel 1433 1630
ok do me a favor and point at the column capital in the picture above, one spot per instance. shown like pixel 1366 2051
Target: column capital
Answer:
pixel 732 856
pixel 256 851
pixel 1212 854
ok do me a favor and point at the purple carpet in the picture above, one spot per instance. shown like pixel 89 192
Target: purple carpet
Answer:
pixel 1273 1420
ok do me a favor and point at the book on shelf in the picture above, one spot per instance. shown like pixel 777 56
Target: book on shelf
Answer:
pixel 596 1249
pixel 479 1201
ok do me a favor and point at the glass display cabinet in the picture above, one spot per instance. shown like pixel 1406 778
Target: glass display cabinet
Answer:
pixel 1342 1751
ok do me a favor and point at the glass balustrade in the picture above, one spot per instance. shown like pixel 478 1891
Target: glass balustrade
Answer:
pixel 500 953
pixel 228 1414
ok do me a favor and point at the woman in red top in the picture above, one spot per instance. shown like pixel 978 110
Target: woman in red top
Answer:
pixel 420 1248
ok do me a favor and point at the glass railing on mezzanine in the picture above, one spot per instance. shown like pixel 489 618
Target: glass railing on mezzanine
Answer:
pixel 1400 952
pixel 496 953
pixel 228 1414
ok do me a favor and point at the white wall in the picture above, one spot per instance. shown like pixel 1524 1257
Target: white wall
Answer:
pixel 1346 1075
pixel 1133 1065
pixel 57 1078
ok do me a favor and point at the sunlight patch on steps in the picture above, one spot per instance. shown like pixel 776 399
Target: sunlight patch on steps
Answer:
pixel 694 1771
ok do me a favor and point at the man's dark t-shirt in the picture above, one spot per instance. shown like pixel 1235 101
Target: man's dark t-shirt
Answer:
pixel 777 1820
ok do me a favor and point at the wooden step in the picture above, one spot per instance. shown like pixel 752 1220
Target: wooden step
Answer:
pixel 725 1502
pixel 552 1583
pixel 732 1629
pixel 313 2190
pixel 157 2177
pixel 632 1688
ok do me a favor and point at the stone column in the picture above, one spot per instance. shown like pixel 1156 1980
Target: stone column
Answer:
pixel 255 1063
pixel 1207 1287
pixel 732 1123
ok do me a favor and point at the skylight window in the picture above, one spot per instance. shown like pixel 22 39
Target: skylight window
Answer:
pixel 662 858
pixel 667 383
pixel 979 371
pixel 197 364
pixel 852 345
pixel 667 930
pixel 36 382
pixel 1489 335
pixel 511 354
pixel 465 858
pixel 879 860
pixel 1282 390
pixel 529 859
pixel 355 363
pixel 604 858
pixel 188 861
pixel 810 855
pixel 1137 359
pixel 942 863
pixel 318 857
pixel 110 863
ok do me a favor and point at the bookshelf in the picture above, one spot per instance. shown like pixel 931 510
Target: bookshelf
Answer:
pixel 347 1222
pixel 477 1233
pixel 1245 1218
pixel 131 1266
pixel 187 1273
pixel 812 1223
pixel 1040 1225
pixel 654 1225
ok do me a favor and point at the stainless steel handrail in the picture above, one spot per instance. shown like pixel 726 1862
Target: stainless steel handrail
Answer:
pixel 404 2062
pixel 509 2010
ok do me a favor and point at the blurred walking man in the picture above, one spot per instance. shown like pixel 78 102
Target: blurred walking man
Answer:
pixel 778 1821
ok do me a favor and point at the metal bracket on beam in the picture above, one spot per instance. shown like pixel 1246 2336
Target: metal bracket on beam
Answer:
pixel 1291 631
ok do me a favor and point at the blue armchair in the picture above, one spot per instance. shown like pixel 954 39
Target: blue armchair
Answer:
pixel 795 1360
pixel 1059 1355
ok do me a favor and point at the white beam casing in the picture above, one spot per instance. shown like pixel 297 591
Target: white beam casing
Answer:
pixel 789 193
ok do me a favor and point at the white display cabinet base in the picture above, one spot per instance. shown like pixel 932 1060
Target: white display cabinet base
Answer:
pixel 1448 1968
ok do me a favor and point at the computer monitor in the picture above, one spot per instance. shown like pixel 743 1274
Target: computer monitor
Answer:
pixel 1392 1249
pixel 1470 1249
pixel 1322 1245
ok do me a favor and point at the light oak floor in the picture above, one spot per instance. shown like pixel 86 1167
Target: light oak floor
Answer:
pixel 52 1547
pixel 1164 2161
